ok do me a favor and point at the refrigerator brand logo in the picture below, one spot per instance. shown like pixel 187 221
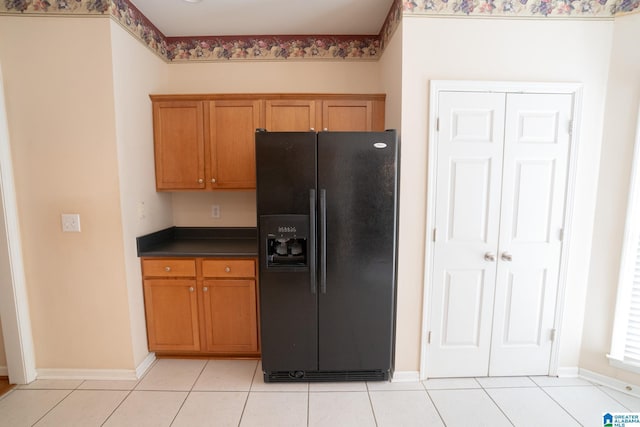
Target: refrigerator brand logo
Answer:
pixel 286 229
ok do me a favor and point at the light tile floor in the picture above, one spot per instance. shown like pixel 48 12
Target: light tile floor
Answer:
pixel 191 393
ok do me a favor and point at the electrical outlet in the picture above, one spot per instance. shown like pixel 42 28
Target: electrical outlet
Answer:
pixel 215 211
pixel 71 223
pixel 142 211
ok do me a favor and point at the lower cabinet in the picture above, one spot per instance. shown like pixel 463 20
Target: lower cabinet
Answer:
pixel 171 307
pixel 201 306
pixel 230 316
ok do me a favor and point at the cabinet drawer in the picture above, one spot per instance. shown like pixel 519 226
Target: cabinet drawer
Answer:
pixel 169 267
pixel 228 268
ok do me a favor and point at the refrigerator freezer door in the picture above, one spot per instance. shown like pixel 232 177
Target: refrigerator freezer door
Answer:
pixel 286 172
pixel 358 176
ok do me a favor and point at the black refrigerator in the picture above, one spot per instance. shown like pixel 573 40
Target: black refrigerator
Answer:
pixel 327 207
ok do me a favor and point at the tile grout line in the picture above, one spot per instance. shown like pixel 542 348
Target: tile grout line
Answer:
pixel 155 362
pixel 434 405
pixel 173 420
pixel 117 406
pixel 497 406
pixel 54 406
pixel 308 404
pixel 558 403
pixel 424 386
pixel 622 404
pixel 246 400
pixel 61 400
pixel 373 411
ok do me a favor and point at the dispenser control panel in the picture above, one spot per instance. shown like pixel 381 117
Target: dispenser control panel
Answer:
pixel 286 240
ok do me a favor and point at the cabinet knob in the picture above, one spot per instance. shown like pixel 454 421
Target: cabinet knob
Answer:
pixel 227 269
pixel 191 289
pixel 167 269
pixel 506 256
pixel 325 129
pixel 205 289
pixel 312 129
pixel 200 181
pixel 213 180
pixel 490 256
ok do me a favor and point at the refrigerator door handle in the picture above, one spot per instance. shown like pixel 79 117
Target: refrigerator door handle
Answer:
pixel 323 241
pixel 313 227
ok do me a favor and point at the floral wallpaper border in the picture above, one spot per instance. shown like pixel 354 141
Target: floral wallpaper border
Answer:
pixel 523 8
pixel 209 48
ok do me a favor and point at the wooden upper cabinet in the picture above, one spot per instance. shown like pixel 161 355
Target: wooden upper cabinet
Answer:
pixel 207 142
pixel 179 145
pixel 290 115
pixel 352 115
pixel 231 129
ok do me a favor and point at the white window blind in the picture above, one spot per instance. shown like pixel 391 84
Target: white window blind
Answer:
pixel 625 344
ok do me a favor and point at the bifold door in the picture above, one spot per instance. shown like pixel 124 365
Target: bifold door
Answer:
pixel 500 198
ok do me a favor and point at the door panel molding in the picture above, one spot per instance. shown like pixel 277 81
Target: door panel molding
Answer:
pixel 526 139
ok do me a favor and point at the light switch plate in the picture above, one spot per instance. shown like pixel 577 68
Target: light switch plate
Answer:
pixel 215 211
pixel 71 223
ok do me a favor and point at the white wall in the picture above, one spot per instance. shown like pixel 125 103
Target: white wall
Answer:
pixel 3 357
pixel 60 110
pixel 623 98
pixel 275 77
pixel 137 72
pixel 391 80
pixel 390 66
pixel 500 49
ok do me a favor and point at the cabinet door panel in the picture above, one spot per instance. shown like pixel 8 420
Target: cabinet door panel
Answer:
pixel 172 315
pixel 230 316
pixel 179 145
pixel 290 115
pixel 232 126
pixel 345 115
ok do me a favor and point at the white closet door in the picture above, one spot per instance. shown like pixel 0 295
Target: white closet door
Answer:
pixel 536 149
pixel 470 147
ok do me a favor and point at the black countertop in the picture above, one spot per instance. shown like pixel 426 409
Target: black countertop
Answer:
pixel 199 242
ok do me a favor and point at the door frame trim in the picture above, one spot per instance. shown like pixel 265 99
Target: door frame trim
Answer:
pixel 14 306
pixel 437 86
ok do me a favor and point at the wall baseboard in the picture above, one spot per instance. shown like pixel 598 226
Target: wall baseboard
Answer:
pixel 98 374
pixel 406 377
pixel 4 371
pixel 86 374
pixel 144 366
pixel 613 383
pixel 568 371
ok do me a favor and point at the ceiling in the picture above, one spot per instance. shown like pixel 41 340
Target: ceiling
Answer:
pixel 181 18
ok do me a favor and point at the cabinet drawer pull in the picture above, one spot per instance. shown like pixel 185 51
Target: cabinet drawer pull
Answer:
pixel 167 269
pixel 205 289
pixel 200 181
pixel 227 269
pixel 213 180
pixel 191 289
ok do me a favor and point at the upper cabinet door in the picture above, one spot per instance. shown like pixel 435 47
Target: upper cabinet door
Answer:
pixel 179 145
pixel 290 115
pixel 352 115
pixel 231 129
